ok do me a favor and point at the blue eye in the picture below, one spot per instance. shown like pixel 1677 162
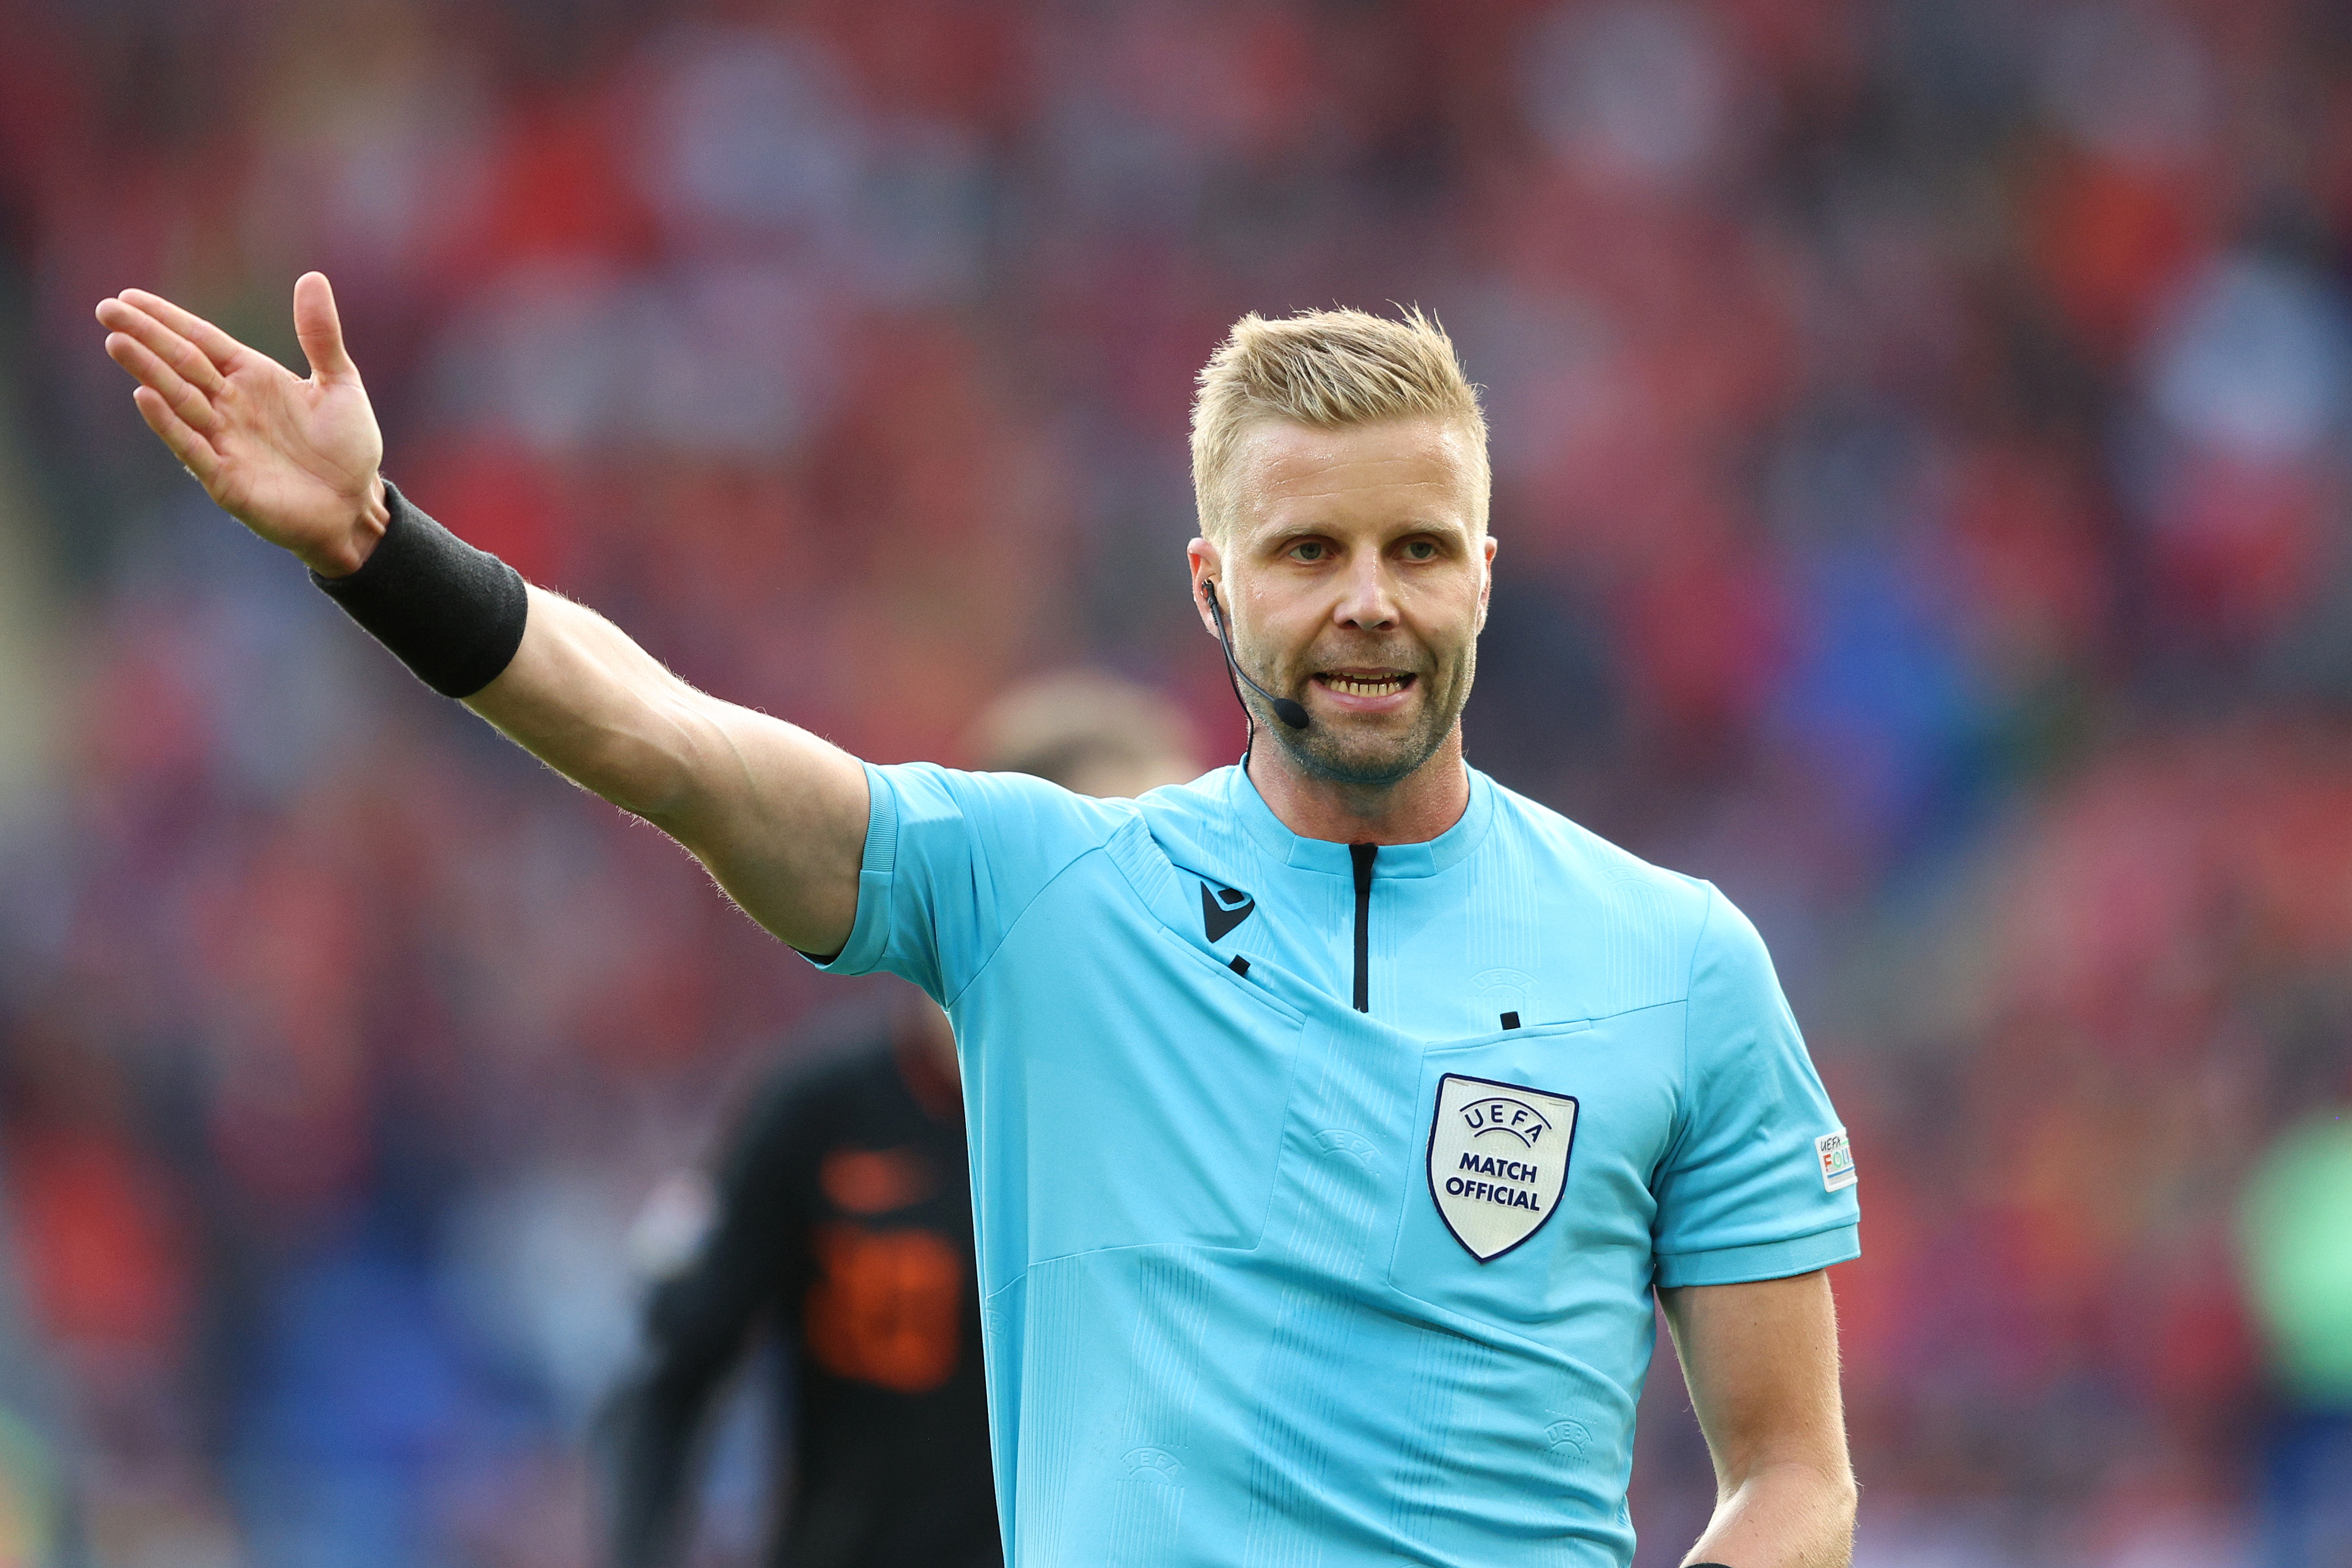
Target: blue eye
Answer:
pixel 1311 550
pixel 1421 550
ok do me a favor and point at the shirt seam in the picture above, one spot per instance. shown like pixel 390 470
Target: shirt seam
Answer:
pixel 1005 934
pixel 1597 1019
pixel 1690 989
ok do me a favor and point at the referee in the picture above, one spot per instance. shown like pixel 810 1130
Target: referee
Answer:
pixel 842 1226
pixel 1334 1116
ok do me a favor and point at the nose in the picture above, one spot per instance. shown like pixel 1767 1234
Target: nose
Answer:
pixel 1367 595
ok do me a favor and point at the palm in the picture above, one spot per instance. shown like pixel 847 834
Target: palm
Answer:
pixel 293 453
pixel 292 459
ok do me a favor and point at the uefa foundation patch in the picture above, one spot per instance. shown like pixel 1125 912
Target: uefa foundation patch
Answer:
pixel 1837 1159
pixel 1498 1160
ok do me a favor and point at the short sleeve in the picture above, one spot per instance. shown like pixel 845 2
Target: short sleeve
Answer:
pixel 952 859
pixel 1757 1183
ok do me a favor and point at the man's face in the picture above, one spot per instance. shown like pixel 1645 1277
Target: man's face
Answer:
pixel 1354 578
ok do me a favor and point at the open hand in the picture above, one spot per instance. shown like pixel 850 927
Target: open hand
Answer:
pixel 293 460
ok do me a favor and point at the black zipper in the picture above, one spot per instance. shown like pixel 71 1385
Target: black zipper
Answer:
pixel 1361 854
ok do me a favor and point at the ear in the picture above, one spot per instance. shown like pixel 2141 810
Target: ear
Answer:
pixel 1207 566
pixel 1486 580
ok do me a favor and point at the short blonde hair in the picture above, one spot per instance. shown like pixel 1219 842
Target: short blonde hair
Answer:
pixel 1326 369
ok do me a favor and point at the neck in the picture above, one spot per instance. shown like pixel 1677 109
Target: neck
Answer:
pixel 1413 810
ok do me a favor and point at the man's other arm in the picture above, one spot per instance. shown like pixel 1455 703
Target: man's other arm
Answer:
pixel 1762 1360
pixel 698 1321
pixel 777 814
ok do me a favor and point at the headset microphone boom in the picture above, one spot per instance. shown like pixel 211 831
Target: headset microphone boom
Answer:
pixel 1291 713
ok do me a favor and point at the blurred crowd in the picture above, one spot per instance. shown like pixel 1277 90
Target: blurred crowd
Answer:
pixel 1921 462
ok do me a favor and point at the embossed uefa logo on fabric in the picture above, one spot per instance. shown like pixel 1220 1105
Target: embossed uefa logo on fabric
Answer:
pixel 1498 1160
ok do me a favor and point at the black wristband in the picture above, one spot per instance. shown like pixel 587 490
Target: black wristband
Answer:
pixel 451 613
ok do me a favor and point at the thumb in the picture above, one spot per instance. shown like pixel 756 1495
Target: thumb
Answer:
pixel 320 330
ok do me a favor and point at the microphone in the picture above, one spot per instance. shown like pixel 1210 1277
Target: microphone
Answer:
pixel 1289 713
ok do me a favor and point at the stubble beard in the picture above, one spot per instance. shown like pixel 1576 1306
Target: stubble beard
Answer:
pixel 1342 754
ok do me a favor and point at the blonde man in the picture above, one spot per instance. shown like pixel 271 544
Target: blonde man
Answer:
pixel 1333 1117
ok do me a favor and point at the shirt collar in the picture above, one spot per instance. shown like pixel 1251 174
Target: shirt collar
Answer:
pixel 1425 859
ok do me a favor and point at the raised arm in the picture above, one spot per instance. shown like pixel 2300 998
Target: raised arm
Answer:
pixel 1762 1360
pixel 777 814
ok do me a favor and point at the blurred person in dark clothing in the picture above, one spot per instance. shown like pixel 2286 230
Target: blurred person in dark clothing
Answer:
pixel 840 1224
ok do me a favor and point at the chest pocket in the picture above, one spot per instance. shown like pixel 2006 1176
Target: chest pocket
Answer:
pixel 1528 1194
pixel 1151 1109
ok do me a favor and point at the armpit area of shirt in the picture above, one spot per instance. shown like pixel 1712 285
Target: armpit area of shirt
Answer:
pixel 870 932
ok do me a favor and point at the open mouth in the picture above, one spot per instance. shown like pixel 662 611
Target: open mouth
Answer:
pixel 1363 683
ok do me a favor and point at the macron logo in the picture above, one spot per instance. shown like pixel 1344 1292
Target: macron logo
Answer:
pixel 1224 909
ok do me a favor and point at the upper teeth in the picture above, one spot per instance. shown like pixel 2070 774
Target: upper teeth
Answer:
pixel 1359 686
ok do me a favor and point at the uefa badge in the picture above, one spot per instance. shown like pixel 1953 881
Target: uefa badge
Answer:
pixel 1498 1160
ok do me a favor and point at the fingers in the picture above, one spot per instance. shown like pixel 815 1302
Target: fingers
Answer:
pixel 186 444
pixel 193 406
pixel 175 409
pixel 215 345
pixel 162 344
pixel 321 330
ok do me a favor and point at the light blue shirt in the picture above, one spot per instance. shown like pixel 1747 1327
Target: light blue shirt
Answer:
pixel 1270 1280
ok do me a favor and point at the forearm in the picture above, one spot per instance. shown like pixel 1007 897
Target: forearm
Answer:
pixel 1760 1359
pixel 652 1446
pixel 1788 1515
pixel 776 814
pixel 590 703
pixel 696 1327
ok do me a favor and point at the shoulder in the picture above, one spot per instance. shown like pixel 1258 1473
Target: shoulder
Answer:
pixel 1661 923
pixel 1205 799
pixel 1192 820
pixel 1569 852
pixel 927 785
pixel 1008 809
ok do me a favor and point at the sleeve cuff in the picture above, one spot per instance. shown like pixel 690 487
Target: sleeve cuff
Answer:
pixel 1764 1260
pixel 869 934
